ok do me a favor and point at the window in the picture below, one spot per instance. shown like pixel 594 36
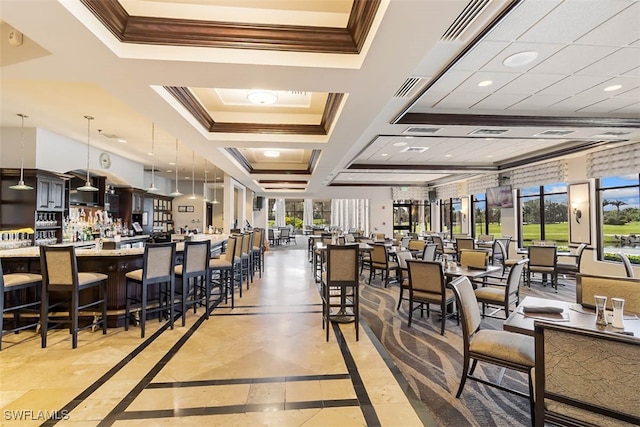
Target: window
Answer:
pixel 271 213
pixel 322 213
pixel 619 230
pixel 544 213
pixel 294 213
pixel 451 212
pixel 480 214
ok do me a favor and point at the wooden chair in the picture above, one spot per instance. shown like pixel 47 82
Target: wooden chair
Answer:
pixel 585 377
pixel 588 285
pixel 194 277
pixel 13 286
pixel 572 268
pixel 224 267
pixel 427 286
pixel 542 259
pixel 416 246
pixel 285 235
pixel 429 252
pixel 505 349
pixel 340 285
pixel 502 295
pixel 506 262
pixel 60 275
pixel 403 273
pixel 628 268
pixel 380 261
pixel 158 270
pixel 464 243
pixel 441 249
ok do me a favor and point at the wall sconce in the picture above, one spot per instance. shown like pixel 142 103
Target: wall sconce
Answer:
pixel 577 213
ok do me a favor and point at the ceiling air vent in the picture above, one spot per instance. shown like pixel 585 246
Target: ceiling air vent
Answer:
pixel 465 19
pixel 406 87
pixel 415 150
pixel 554 133
pixel 417 129
pixel 613 134
pixel 488 132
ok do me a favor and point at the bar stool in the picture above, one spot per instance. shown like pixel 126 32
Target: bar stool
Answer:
pixel 238 261
pixel 194 276
pixel 11 284
pixel 60 274
pixel 158 268
pixel 225 267
pixel 257 253
pixel 247 257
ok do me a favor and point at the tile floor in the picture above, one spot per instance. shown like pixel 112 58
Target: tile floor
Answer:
pixel 264 363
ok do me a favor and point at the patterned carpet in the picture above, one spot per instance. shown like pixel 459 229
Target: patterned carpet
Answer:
pixel 432 363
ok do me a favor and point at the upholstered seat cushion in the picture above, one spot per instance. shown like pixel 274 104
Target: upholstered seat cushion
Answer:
pixel 541 269
pixel 490 293
pixel 502 345
pixel 390 265
pixel 566 266
pixel 86 278
pixel 432 297
pixel 178 270
pixel 218 263
pixel 135 275
pixel 17 279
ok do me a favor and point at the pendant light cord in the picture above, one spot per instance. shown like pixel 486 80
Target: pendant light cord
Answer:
pixel 89 118
pixel 22 117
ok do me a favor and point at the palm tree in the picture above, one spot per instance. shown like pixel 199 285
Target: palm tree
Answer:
pixel 616 203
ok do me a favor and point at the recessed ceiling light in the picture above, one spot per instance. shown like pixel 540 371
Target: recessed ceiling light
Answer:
pixel 169 170
pixel 271 153
pixel 151 154
pixel 122 140
pixel 384 154
pixel 187 177
pixel 490 155
pixel 612 88
pixel 262 97
pixel 172 163
pixel 520 58
pixel 399 144
pixel 485 83
pixel 447 155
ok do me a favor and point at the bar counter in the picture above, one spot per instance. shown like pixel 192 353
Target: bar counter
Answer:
pixel 115 263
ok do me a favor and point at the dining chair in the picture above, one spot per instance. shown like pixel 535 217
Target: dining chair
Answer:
pixel 464 243
pixel 285 235
pixel 507 350
pixel 19 292
pixel 502 294
pixel 416 246
pixel 223 268
pixel 60 275
pixel 627 288
pixel 442 250
pixel 585 377
pixel 271 237
pixel 572 268
pixel 158 271
pixel 340 285
pixel 403 273
pixel 193 273
pixel 628 268
pixel 427 286
pixel 404 243
pixel 542 259
pixel 429 252
pixel 473 259
pixel 380 261
pixel 505 261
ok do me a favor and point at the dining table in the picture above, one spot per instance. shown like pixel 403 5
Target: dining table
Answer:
pixel 471 272
pixel 573 315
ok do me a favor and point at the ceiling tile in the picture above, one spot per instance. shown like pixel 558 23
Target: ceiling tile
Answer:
pixel 529 83
pixel 572 85
pixel 620 30
pixel 572 59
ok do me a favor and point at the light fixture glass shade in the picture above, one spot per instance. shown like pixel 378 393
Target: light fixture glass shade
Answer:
pixel 88 186
pixel 262 97
pixel 152 188
pixel 21 185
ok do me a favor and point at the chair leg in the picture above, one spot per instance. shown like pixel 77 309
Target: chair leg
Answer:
pixel 400 299
pixel 104 308
pixel 465 369
pixel 172 291
pixel 443 312
pixel 183 299
pixel 532 404
pixel 143 310
pixel 75 297
pixel 44 318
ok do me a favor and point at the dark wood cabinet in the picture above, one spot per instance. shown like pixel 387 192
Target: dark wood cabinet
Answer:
pixel 51 194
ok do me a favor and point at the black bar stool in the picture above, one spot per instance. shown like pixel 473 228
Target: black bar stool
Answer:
pixel 11 286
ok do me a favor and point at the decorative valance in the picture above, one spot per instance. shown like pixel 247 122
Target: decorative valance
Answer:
pixel 449 191
pixel 409 193
pixel 539 174
pixel 480 184
pixel 617 161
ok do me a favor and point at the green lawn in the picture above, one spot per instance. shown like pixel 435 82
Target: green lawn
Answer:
pixel 610 231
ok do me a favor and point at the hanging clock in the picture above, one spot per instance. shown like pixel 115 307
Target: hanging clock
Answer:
pixel 105 161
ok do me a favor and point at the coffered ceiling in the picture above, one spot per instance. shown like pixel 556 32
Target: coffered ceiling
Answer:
pixel 352 93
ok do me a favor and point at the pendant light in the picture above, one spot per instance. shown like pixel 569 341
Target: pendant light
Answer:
pixel 204 191
pixel 193 176
pixel 87 184
pixel 177 192
pixel 152 188
pixel 21 185
pixel 215 186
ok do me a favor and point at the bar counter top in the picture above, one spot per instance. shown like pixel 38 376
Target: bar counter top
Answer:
pixel 88 249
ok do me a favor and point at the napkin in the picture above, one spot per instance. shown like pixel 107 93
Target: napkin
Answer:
pixel 542 309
